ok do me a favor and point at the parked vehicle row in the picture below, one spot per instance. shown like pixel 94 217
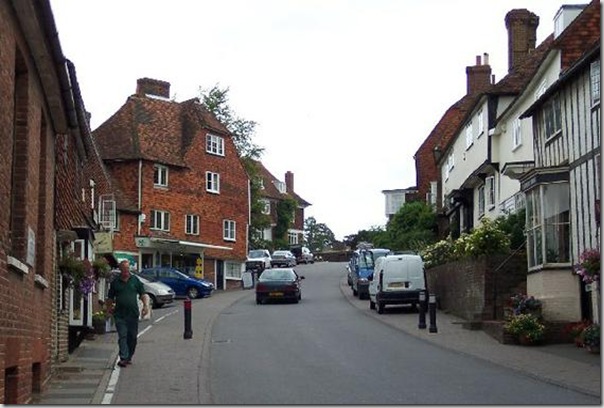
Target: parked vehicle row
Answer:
pixel 159 293
pixel 181 283
pixel 386 278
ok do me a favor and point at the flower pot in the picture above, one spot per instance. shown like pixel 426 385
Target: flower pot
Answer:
pixel 99 326
pixel 527 341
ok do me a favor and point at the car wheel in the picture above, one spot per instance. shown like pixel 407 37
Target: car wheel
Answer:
pixel 192 293
pixel 154 304
pixel 371 304
pixel 354 291
pixel 258 301
pixel 380 307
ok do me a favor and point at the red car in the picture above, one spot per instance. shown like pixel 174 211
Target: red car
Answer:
pixel 279 284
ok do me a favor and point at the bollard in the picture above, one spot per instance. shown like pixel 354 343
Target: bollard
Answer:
pixel 188 332
pixel 432 310
pixel 422 310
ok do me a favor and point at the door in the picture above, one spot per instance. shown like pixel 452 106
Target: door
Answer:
pixel 220 275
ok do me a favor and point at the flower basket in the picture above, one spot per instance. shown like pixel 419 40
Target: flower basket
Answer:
pixel 99 322
pixel 591 338
pixel 101 268
pixel 588 267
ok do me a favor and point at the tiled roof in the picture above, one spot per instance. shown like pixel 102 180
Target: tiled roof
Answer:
pixel 270 190
pixel 154 129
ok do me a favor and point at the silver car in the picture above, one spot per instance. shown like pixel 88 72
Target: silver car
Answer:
pixel 159 293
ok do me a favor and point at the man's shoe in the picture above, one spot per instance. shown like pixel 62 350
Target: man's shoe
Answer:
pixel 128 362
pixel 122 363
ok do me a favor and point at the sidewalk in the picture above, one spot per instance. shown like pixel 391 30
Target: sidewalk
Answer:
pixel 84 378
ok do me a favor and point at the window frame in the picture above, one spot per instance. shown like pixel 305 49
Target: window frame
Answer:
pixel 192 224
pixel 215 145
pixel 469 131
pixel 516 134
pixel 266 206
pixel 489 192
pixel 212 182
pixel 158 170
pixel 552 118
pixel 481 200
pixel 229 230
pixel 480 118
pixel 233 270
pixel 164 219
pixel 595 82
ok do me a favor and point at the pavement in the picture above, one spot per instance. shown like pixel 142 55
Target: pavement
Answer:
pixel 88 376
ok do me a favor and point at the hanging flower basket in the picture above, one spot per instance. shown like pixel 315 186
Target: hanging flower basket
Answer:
pixel 588 267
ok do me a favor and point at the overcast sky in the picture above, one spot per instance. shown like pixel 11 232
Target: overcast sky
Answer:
pixel 344 91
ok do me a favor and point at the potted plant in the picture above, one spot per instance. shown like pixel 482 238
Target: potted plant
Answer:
pixel 591 338
pixel 575 331
pixel 527 328
pixel 99 321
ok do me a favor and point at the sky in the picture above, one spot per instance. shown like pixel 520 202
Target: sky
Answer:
pixel 344 91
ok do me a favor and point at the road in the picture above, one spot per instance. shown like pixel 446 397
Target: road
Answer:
pixel 323 351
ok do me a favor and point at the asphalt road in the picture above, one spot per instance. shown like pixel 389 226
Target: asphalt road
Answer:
pixel 324 351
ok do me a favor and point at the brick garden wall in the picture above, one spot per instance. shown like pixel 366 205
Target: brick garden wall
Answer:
pixel 473 289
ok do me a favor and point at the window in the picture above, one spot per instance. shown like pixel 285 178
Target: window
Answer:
pixel 450 164
pixel 469 136
pixel 595 82
pixel 232 269
pixel 552 117
pixel 214 145
pixel 490 192
pixel 481 201
pixel 516 134
pixel 548 224
pixel 229 231
pixel 480 123
pixel 541 90
pixel 433 192
pixel 280 186
pixel 212 182
pixel 266 206
pixel 160 220
pixel 160 176
pixel 192 224
pixel 292 238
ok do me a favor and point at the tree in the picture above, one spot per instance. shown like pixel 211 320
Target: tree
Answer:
pixel 285 217
pixel 318 236
pixel 413 227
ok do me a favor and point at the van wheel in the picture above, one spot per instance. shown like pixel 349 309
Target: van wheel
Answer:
pixel 371 305
pixel 355 292
pixel 380 307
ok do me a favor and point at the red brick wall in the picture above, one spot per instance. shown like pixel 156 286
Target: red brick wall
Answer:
pixel 27 309
pixel 472 288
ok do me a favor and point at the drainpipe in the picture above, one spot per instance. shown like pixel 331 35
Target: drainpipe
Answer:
pixel 140 192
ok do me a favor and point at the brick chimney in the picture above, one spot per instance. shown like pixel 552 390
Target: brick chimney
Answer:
pixel 289 181
pixel 148 86
pixel 479 76
pixel 522 35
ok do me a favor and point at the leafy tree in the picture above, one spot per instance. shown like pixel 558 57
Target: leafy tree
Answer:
pixel 376 235
pixel 318 236
pixel 513 225
pixel 285 216
pixel 413 227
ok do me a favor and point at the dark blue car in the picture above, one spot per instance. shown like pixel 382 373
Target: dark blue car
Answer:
pixel 182 284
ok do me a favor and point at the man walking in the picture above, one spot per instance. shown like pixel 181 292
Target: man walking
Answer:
pixel 122 302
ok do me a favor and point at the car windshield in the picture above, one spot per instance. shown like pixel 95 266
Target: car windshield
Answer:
pixel 256 254
pixel 277 274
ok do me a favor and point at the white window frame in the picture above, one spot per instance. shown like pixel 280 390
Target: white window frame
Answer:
pixel 516 134
pixel 160 220
pixel 489 192
pixel 280 186
pixel 212 182
pixel 595 80
pixel 214 145
pixel 480 123
pixel 469 136
pixel 552 118
pixel 160 176
pixel 192 224
pixel 541 89
pixel 266 206
pixel 292 238
pixel 450 165
pixel 229 230
pixel 481 200
pixel 232 270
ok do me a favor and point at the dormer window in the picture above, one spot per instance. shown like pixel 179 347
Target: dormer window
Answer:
pixel 160 176
pixel 214 144
pixel 280 186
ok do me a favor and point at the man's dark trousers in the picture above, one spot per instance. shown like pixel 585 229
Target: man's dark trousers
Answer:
pixel 127 331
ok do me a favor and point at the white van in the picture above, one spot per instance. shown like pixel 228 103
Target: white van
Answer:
pixel 397 279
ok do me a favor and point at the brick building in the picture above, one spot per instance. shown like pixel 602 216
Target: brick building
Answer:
pixel 179 166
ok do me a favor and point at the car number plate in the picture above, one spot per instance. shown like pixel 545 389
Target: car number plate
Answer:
pixel 276 294
pixel 396 284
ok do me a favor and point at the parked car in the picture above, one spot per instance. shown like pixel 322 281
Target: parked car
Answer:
pixel 279 284
pixel 183 285
pixel 398 279
pixel 283 257
pixel 258 260
pixel 361 266
pixel 159 293
pixel 302 254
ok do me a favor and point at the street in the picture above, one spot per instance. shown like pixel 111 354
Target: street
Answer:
pixel 320 351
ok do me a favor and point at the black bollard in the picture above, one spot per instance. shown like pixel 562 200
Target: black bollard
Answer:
pixel 422 310
pixel 188 332
pixel 432 310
